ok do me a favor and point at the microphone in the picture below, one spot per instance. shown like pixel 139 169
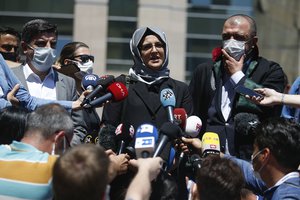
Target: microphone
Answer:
pixel 245 123
pixel 180 116
pixel 106 138
pixel 124 134
pixel 210 144
pixel 169 132
pixel 193 126
pixel 89 81
pixel 116 92
pixel 101 85
pixel 145 139
pixel 167 98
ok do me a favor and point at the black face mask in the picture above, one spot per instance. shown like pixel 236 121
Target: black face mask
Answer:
pixel 9 56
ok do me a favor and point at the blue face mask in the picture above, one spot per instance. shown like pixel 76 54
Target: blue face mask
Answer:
pixel 43 58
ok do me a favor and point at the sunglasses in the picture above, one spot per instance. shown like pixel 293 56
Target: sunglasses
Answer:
pixel 85 58
pixel 9 47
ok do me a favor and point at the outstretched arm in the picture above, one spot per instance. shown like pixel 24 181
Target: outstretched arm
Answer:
pixel 148 169
pixel 271 97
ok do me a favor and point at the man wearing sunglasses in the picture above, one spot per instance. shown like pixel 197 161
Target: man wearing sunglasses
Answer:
pixel 9 45
pixel 39 39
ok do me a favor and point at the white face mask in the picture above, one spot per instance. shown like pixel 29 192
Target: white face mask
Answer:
pixel 234 48
pixel 256 173
pixel 43 58
pixel 85 67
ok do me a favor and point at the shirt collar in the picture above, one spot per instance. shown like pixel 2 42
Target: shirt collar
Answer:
pixel 286 177
pixel 29 73
pixel 20 146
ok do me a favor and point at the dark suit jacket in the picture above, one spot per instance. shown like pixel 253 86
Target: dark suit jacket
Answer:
pixel 65 90
pixel 205 88
pixel 143 104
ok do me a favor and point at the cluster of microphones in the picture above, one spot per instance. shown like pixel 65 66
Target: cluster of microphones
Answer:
pixel 145 138
pixel 103 89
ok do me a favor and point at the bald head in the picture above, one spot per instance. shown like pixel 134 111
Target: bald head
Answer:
pixel 239 19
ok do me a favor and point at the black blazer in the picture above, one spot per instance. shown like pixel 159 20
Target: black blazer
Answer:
pixel 207 81
pixel 143 104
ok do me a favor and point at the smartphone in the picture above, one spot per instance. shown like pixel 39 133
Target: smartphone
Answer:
pixel 246 91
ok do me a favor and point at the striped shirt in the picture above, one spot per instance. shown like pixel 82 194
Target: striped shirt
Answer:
pixel 25 172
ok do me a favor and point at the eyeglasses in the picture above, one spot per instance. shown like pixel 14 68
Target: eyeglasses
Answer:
pixel 146 47
pixel 9 47
pixel 85 58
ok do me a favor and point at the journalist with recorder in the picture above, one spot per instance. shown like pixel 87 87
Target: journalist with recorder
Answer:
pixel 213 86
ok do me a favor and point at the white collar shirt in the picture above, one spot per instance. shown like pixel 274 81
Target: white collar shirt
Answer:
pixel 45 89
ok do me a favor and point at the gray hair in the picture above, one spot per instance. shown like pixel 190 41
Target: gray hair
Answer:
pixel 48 120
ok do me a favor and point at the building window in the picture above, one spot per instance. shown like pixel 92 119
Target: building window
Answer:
pixel 204 27
pixel 122 22
pixel 60 12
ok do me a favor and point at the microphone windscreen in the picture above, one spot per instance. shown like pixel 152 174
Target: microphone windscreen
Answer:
pixel 89 81
pixel 193 126
pixel 118 90
pixel 245 123
pixel 107 138
pixel 172 131
pixel 210 144
pixel 106 80
pixel 167 97
pixel 180 115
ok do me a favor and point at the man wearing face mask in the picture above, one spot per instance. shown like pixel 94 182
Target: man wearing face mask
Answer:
pixel 275 160
pixel 213 85
pixel 39 39
pixel 26 166
pixel 9 45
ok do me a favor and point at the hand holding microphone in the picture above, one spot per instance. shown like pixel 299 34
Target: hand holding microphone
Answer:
pixel 96 84
pixel 89 82
pixel 210 144
pixel 192 128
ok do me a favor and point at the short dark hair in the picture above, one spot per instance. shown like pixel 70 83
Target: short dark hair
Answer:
pixel 35 27
pixel 219 178
pixel 282 137
pixel 9 30
pixel 12 123
pixel 81 173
